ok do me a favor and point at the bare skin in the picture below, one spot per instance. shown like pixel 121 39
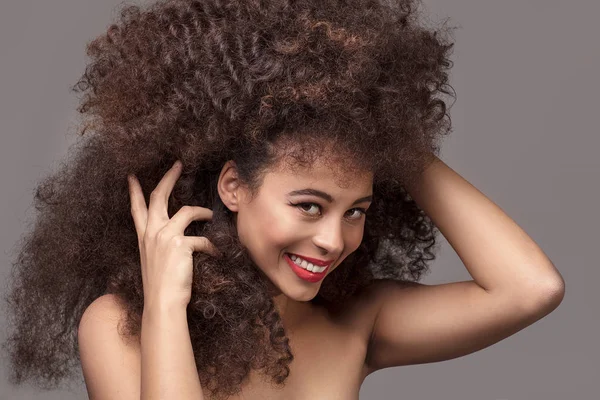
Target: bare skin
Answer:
pixel 276 222
pixel 392 323
pixel 389 323
pixel 329 349
pixel 329 346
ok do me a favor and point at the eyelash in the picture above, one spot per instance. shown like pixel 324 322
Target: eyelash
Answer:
pixel 298 205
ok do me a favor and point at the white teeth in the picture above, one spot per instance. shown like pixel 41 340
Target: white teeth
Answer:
pixel 306 265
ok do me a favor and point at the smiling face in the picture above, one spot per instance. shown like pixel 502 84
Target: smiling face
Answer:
pixel 307 212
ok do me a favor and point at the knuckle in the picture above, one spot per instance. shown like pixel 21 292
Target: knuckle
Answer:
pixel 147 239
pixel 161 235
pixel 155 194
pixel 176 241
pixel 186 209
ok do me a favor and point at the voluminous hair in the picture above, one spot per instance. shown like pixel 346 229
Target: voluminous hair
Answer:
pixel 356 83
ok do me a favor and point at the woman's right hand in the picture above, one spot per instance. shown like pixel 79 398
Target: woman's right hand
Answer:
pixel 165 253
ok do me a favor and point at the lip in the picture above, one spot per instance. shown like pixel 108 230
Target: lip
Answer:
pixel 303 273
pixel 314 261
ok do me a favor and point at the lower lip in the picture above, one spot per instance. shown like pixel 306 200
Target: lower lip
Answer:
pixel 303 273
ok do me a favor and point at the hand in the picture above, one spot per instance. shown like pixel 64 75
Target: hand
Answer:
pixel 166 254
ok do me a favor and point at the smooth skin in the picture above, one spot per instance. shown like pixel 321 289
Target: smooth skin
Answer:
pixel 162 366
pixel 514 285
pixel 166 253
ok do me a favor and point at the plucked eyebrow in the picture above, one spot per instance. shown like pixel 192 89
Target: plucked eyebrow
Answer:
pixel 326 196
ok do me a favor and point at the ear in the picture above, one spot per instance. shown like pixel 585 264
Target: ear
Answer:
pixel 229 187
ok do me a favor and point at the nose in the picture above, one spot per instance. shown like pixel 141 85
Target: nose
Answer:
pixel 330 238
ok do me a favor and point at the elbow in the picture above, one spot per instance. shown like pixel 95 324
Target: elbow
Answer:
pixel 549 295
pixel 556 292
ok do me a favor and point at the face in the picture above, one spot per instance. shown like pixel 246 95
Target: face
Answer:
pixel 304 213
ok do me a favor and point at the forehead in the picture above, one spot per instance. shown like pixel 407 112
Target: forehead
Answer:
pixel 323 172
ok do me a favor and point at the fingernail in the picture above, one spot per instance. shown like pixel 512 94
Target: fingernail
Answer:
pixel 177 164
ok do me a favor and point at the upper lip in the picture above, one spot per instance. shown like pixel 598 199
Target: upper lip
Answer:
pixel 315 261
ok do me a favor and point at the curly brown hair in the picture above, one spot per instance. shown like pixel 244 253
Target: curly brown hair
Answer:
pixel 206 81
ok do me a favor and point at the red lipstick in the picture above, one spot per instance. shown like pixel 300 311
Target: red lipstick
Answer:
pixel 315 261
pixel 304 274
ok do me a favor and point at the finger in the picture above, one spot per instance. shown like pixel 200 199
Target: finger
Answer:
pixel 201 244
pixel 139 211
pixel 183 217
pixel 159 197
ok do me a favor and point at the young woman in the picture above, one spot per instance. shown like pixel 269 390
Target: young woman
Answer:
pixel 256 198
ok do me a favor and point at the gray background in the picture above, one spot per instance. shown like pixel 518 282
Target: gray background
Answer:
pixel 525 134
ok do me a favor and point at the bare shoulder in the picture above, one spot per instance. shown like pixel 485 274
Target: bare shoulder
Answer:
pixel 111 362
pixel 359 312
pixel 107 305
pixel 106 313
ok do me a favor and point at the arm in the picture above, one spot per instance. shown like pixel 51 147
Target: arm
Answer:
pixel 514 285
pixel 109 360
pixel 498 254
pixel 159 365
pixel 168 366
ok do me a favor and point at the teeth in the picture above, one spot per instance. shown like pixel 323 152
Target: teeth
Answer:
pixel 306 265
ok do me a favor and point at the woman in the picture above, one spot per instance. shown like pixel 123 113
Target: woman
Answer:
pixel 303 129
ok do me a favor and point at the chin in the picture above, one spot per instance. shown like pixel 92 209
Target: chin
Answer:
pixel 304 294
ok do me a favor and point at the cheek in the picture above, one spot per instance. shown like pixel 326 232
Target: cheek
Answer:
pixel 280 229
pixel 355 238
pixel 268 228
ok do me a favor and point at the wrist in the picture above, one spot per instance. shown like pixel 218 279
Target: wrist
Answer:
pixel 164 307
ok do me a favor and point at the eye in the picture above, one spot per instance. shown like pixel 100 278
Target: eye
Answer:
pixel 361 212
pixel 303 208
pixel 303 205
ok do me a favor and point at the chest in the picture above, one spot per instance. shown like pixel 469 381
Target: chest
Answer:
pixel 328 365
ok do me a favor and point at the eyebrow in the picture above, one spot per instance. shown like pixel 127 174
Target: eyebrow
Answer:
pixel 326 196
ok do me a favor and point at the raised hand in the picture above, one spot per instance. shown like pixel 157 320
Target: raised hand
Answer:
pixel 165 253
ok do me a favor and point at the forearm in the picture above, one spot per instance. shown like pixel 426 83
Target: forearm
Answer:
pixel 168 368
pixel 498 254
